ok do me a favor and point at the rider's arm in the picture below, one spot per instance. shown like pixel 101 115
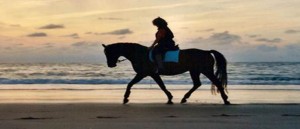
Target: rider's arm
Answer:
pixel 160 34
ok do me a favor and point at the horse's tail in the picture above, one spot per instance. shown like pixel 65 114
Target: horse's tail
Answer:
pixel 221 73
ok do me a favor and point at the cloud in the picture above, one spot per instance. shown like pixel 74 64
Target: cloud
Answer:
pixel 196 40
pixel 78 44
pixel 110 18
pixel 293 49
pixel 52 26
pixel 225 38
pixel 224 41
pixel 292 31
pixel 88 33
pixel 207 30
pixel 8 48
pixel 121 37
pixel 293 46
pixel 184 28
pixel 122 10
pixel 48 45
pixel 253 36
pixel 118 32
pixel 74 35
pixel 10 25
pixel 275 40
pixel 15 25
pixel 94 33
pixel 115 32
pixel 84 44
pixel 38 34
pixel 266 48
pixel 222 38
pixel 19 44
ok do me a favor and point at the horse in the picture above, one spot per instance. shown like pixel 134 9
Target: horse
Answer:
pixel 195 61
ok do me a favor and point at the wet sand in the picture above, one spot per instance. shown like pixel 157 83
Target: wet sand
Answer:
pixel 152 116
pixel 94 109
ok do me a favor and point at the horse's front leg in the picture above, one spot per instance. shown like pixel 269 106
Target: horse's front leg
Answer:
pixel 197 84
pixel 161 84
pixel 136 79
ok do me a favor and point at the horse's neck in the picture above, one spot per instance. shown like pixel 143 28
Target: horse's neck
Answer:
pixel 126 53
pixel 132 53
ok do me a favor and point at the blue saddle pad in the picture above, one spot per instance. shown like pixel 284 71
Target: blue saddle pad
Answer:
pixel 170 56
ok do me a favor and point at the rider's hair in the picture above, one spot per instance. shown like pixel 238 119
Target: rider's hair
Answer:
pixel 159 22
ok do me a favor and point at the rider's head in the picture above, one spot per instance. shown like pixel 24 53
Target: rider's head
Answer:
pixel 159 22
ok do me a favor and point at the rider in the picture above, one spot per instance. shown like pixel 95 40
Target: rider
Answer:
pixel 163 42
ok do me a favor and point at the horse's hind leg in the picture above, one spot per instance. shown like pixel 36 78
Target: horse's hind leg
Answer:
pixel 136 79
pixel 197 83
pixel 216 82
pixel 161 84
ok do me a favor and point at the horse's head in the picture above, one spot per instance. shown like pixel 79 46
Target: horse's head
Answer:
pixel 112 54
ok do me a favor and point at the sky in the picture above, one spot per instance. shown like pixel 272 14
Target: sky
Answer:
pixel 65 31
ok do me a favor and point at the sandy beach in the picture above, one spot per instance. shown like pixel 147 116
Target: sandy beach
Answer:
pixel 101 109
pixel 152 116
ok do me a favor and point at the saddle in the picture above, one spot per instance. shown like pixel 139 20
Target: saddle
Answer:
pixel 170 56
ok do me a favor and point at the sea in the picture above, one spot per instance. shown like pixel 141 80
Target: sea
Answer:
pixel 239 73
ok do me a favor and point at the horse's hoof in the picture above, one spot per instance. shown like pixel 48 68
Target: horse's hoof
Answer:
pixel 170 102
pixel 125 101
pixel 183 101
pixel 227 103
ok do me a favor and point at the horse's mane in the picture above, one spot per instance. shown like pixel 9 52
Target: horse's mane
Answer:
pixel 125 44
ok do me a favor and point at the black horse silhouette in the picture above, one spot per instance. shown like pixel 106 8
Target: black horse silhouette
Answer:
pixel 193 60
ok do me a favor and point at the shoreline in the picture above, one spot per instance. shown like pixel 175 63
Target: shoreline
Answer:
pixel 103 94
pixel 137 86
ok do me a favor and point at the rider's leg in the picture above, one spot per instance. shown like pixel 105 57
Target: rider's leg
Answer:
pixel 159 61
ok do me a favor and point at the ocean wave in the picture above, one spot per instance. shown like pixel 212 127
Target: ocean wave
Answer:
pixel 238 74
pixel 61 81
pixel 276 78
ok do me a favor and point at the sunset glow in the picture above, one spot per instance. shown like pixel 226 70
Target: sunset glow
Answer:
pixel 73 30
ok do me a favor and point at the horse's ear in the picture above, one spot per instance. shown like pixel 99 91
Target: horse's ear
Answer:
pixel 104 45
